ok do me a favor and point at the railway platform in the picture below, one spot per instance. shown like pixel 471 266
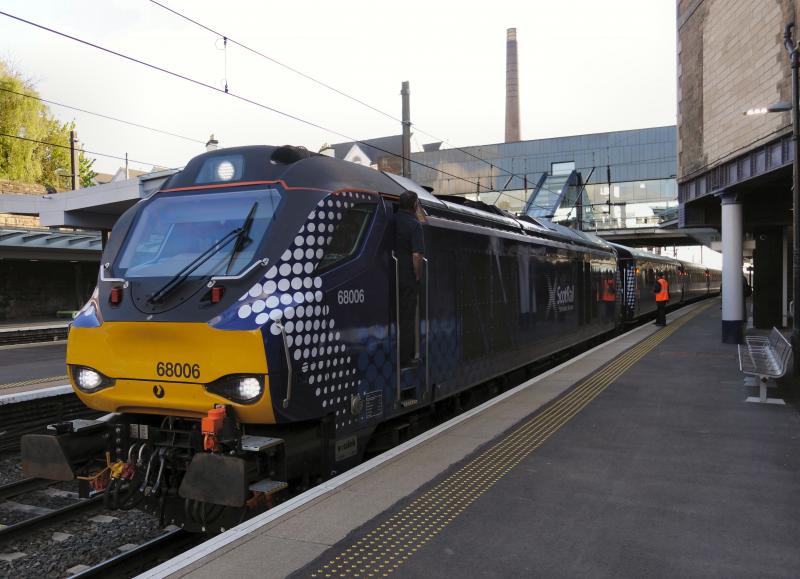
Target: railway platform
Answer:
pixel 32 367
pixel 33 331
pixel 638 458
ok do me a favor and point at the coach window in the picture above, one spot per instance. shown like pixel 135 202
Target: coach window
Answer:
pixel 347 236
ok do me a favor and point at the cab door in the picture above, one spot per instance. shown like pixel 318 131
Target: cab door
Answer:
pixel 409 322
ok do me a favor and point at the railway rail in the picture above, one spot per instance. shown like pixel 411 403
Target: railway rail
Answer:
pixel 22 486
pixel 34 524
pixel 142 557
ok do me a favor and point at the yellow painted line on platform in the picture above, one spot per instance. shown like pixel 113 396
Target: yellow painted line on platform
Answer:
pixel 384 549
pixel 32 381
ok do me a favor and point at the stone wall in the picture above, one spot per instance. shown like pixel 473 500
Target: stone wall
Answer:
pixel 38 289
pixel 17 188
pixel 730 59
pixel 11 220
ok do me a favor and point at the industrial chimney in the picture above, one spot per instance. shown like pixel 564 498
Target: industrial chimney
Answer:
pixel 512 87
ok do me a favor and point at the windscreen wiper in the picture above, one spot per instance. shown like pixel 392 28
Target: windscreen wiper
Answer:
pixel 239 234
pixel 181 276
pixel 242 239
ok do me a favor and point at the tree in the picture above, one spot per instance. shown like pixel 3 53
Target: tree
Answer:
pixel 85 171
pixel 28 121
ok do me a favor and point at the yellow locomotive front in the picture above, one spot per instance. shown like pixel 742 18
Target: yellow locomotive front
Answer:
pixel 171 368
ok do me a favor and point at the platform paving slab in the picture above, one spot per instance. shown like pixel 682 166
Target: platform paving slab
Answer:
pixel 667 473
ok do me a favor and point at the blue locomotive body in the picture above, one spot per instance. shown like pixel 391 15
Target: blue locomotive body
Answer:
pixel 245 325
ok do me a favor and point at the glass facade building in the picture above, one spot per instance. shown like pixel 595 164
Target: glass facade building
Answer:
pixel 628 178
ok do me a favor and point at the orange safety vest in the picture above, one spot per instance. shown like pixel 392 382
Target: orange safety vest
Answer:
pixel 663 295
pixel 608 291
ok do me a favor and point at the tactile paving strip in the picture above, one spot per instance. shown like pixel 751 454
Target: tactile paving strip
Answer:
pixel 384 549
pixel 31 382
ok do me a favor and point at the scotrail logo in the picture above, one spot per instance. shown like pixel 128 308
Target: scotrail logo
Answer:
pixel 561 297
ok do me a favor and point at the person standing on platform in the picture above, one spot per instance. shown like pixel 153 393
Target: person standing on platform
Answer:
pixel 608 296
pixel 410 251
pixel 661 290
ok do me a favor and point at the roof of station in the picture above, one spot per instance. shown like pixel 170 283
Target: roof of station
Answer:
pixel 24 243
pixel 91 208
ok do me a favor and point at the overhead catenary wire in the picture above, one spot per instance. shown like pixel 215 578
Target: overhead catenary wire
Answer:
pixel 101 115
pixel 340 92
pixel 83 150
pixel 236 96
pixel 273 60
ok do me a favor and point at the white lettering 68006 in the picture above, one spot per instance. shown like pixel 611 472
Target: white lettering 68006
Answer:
pixel 352 296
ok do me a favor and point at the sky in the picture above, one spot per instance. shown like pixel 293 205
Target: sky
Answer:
pixel 585 67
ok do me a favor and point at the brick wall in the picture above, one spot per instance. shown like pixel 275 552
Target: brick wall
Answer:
pixel 38 289
pixel 730 58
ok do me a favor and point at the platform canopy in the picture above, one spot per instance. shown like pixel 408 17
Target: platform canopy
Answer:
pixel 95 207
pixel 50 245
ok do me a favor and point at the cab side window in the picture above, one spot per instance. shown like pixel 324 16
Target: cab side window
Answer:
pixel 347 236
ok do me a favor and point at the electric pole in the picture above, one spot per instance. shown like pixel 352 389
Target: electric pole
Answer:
pixel 406 129
pixel 74 156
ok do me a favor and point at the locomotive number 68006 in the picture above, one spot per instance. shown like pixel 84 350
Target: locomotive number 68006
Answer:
pixel 178 370
pixel 353 296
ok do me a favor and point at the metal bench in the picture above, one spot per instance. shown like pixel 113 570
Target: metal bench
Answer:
pixel 763 358
pixel 756 343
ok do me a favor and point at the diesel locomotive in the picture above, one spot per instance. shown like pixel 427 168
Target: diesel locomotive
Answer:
pixel 243 335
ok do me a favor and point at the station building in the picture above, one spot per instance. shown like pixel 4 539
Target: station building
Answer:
pixel 735 169
pixel 629 176
pixel 621 185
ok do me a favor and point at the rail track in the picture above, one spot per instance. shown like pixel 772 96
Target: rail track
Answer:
pixel 39 522
pixel 22 486
pixel 144 556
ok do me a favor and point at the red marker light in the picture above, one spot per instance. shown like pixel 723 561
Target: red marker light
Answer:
pixel 116 296
pixel 216 294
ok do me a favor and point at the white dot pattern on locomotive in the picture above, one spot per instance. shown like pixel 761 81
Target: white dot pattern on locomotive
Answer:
pixel 291 294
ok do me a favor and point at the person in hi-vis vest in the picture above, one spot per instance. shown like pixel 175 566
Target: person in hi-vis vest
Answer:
pixel 608 295
pixel 661 290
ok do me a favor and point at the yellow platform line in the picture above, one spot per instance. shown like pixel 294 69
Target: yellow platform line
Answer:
pixel 31 382
pixel 385 548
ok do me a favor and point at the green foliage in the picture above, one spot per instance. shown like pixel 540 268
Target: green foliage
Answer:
pixel 30 161
pixel 85 171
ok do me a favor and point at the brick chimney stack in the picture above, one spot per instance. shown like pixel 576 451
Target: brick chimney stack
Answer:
pixel 512 87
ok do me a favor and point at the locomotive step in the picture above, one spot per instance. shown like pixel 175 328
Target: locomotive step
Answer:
pixel 259 443
pixel 268 486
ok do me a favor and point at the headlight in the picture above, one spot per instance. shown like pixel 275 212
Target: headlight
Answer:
pixel 248 388
pixel 225 171
pixel 241 388
pixel 89 380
